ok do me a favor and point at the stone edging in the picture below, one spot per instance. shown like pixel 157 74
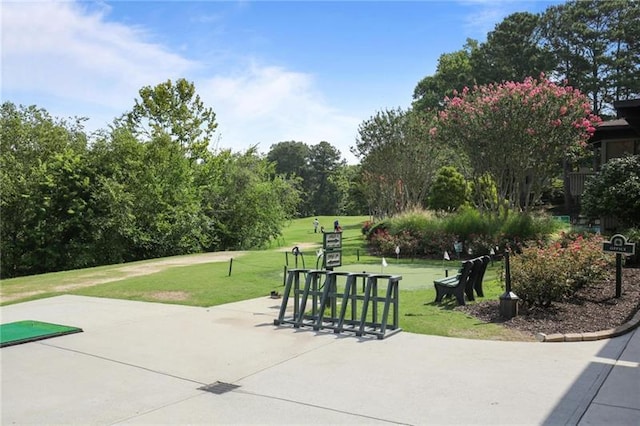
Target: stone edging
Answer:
pixel 596 335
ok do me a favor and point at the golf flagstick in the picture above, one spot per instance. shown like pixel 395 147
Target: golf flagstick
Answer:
pixel 445 257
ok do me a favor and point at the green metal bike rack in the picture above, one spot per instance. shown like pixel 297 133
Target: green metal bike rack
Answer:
pixel 336 304
pixel 292 285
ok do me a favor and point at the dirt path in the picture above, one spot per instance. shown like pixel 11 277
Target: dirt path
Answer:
pixel 301 246
pixel 127 271
pixel 118 273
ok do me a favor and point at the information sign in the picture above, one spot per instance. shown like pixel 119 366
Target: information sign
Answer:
pixel 332 240
pixel 619 244
pixel 333 259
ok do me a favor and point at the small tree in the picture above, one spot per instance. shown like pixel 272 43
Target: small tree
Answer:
pixel 517 133
pixel 449 190
pixel 615 191
pixel 398 160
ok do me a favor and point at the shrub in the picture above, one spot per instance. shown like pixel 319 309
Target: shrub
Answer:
pixel 615 191
pixel 481 244
pixel 538 276
pixel 467 222
pixel 383 243
pixel 541 276
pixel 366 227
pixel 449 190
pixel 633 236
pixel 413 221
pixel 484 192
pixel 424 233
pixel 375 228
pixel 478 232
pixel 527 227
pixel 554 192
pixel 435 241
pixel 407 242
pixel 411 229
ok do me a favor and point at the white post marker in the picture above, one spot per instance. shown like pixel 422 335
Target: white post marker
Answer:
pixel 445 257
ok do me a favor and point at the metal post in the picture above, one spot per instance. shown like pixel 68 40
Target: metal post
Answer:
pixel 618 275
pixel 508 300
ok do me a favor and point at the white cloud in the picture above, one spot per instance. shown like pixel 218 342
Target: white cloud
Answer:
pixel 72 61
pixel 265 105
pixel 60 51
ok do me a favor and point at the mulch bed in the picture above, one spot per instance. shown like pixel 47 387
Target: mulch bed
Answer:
pixel 594 308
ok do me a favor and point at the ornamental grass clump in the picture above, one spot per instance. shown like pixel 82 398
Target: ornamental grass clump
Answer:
pixel 543 275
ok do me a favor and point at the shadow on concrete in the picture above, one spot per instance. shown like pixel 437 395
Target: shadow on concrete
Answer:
pixel 607 391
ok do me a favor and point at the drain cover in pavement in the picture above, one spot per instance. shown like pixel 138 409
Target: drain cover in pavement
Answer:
pixel 219 388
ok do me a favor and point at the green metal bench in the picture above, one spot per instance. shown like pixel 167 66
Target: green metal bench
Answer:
pixel 454 286
pixel 468 281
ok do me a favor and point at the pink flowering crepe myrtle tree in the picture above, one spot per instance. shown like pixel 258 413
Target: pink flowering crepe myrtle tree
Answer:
pixel 517 133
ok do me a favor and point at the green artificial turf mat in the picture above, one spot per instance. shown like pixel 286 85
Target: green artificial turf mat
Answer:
pixel 15 333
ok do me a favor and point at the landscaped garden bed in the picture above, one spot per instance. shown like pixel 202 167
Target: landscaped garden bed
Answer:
pixel 592 308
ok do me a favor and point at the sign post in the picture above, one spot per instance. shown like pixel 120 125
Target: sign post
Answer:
pixel 619 246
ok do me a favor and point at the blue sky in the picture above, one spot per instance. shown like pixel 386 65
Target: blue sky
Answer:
pixel 272 71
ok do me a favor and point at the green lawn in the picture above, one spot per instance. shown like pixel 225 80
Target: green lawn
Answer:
pixel 257 273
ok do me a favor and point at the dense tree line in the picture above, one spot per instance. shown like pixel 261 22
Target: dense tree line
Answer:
pixel 327 185
pixel 593 45
pixel 147 187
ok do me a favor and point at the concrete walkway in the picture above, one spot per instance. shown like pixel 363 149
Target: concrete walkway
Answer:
pixel 144 363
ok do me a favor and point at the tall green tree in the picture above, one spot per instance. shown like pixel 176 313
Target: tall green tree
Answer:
pixel 512 52
pixel 349 182
pixel 168 217
pixel 69 204
pixel 45 184
pixel 118 159
pixel 399 159
pixel 321 179
pixel 596 48
pixel 454 72
pixel 318 175
pixel 149 200
pixel 175 110
pixel 290 157
pixel 250 203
